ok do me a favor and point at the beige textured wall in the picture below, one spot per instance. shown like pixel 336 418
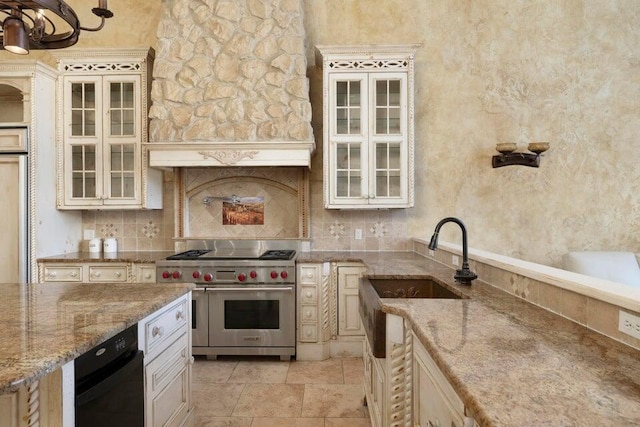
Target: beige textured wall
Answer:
pixel 496 71
pixel 490 71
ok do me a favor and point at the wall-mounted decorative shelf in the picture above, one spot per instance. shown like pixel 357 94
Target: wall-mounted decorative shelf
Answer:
pixel 508 156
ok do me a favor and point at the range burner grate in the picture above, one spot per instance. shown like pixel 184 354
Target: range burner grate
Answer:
pixel 278 254
pixel 188 255
pixel 201 254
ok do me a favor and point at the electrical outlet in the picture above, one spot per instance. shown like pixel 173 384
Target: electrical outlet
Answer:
pixel 629 324
pixel 89 234
pixel 358 234
pixel 432 253
pixel 455 260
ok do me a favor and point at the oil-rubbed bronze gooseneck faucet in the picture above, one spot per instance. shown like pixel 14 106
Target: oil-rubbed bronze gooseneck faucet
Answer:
pixel 464 276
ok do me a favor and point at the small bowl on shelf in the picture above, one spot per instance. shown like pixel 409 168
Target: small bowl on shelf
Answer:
pixel 506 147
pixel 538 147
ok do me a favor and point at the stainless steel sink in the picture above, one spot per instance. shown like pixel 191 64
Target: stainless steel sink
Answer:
pixel 372 290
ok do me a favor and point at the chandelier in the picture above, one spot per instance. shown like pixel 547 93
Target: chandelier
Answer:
pixel 43 24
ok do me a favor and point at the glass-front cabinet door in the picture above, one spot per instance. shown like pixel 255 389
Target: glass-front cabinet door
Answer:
pixel 83 157
pixel 368 134
pixel 122 136
pixel 102 140
pixel 104 110
pixel 348 128
pixel 388 141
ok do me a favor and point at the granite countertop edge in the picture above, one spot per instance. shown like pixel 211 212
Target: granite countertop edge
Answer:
pixel 17 370
pixel 138 257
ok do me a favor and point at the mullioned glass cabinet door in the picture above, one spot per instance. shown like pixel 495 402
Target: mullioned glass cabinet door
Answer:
pixel 121 139
pixel 102 142
pixel 82 138
pixel 368 138
pixel 348 130
pixel 388 138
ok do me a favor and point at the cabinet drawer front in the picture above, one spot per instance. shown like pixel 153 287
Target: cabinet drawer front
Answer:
pixel 164 368
pixel 308 295
pixel 309 274
pixel 167 384
pixel 159 329
pixel 108 274
pixel 63 274
pixel 308 333
pixel 308 314
pixel 146 274
pixel 13 140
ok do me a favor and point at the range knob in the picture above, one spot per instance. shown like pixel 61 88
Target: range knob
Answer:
pixel 242 277
pixel 176 274
pixel 284 274
pixel 166 274
pixel 208 277
pixel 196 274
pixel 253 274
pixel 274 274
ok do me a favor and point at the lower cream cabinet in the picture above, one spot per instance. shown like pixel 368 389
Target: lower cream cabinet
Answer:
pixel 10 409
pixel 309 285
pixel 435 403
pixel 97 272
pixel 348 314
pixel 374 385
pixel 165 339
pixel 144 273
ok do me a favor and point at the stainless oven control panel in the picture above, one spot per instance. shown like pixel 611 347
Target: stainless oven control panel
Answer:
pixel 255 275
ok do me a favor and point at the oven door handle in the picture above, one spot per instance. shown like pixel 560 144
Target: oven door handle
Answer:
pixel 283 289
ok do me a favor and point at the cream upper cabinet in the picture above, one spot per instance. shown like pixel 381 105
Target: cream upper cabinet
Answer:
pixel 368 131
pixel 104 110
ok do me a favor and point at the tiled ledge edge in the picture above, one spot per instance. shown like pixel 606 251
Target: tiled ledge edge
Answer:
pixel 592 302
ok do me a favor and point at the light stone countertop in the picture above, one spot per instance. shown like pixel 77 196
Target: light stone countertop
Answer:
pixel 139 257
pixel 44 326
pixel 512 363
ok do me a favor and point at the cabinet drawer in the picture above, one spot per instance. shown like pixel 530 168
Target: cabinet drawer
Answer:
pixel 146 274
pixel 167 385
pixel 309 295
pixel 160 328
pixel 308 314
pixel 108 273
pixel 309 333
pixel 63 274
pixel 167 366
pixel 309 274
pixel 12 140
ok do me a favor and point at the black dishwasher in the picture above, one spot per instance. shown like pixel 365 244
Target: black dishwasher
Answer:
pixel 109 383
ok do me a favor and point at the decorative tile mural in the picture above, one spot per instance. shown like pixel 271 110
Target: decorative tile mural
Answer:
pixel 261 203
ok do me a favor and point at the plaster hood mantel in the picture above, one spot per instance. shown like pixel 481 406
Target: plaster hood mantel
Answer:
pixel 230 153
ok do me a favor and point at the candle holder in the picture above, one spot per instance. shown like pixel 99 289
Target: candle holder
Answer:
pixel 509 157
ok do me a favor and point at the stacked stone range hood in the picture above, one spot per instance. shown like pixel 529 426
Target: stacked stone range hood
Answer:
pixel 230 85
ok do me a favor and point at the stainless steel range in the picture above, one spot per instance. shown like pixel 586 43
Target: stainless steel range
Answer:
pixel 244 302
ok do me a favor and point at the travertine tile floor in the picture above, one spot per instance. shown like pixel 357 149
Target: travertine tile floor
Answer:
pixel 266 392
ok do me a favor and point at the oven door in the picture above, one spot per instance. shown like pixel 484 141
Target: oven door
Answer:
pixel 252 316
pixel 199 318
